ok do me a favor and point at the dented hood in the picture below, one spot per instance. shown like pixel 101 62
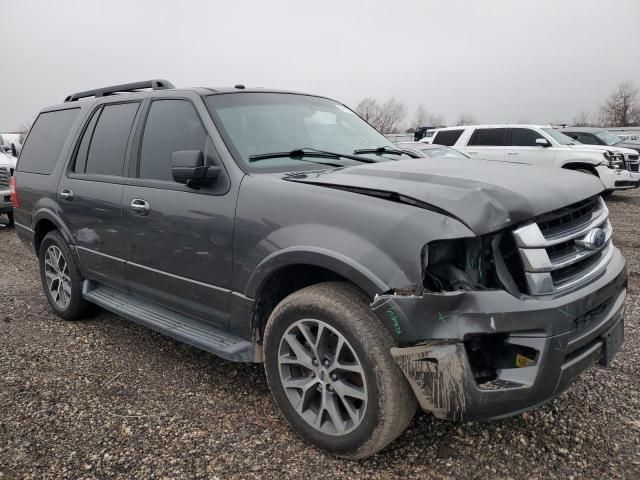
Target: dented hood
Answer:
pixel 484 195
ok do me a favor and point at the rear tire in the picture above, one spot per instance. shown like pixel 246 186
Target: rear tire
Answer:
pixel 331 373
pixel 61 278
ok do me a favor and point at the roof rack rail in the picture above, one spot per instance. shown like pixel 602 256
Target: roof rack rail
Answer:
pixel 125 87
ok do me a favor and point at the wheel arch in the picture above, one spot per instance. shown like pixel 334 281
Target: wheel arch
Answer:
pixel 45 221
pixel 581 165
pixel 287 271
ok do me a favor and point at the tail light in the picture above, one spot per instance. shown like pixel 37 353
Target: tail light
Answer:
pixel 15 200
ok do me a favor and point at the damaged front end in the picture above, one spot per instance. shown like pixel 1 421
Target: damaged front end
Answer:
pixel 475 344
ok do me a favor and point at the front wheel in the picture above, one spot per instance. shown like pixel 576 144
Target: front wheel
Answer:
pixel 331 373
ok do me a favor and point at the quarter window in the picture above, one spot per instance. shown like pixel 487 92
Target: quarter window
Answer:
pixel 447 137
pixel 524 137
pixel 45 141
pixel 107 142
pixel 172 126
pixel 489 137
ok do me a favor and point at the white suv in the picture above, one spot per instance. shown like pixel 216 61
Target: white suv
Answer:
pixel 542 146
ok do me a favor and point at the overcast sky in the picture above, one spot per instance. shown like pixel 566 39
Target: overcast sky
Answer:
pixel 498 60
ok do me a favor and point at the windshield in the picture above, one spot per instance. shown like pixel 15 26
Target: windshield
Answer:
pixel 608 138
pixel 254 124
pixel 442 152
pixel 559 137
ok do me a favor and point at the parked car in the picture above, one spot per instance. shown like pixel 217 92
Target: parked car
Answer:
pixel 600 136
pixel 421 149
pixel 423 134
pixel 276 227
pixel 542 146
pixel 7 164
pixel 628 137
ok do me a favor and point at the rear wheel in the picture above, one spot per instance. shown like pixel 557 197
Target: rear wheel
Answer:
pixel 61 278
pixel 330 370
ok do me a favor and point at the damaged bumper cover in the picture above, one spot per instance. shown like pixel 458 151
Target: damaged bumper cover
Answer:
pixel 538 346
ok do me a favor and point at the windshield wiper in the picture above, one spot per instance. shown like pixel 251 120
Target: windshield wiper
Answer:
pixel 384 149
pixel 309 152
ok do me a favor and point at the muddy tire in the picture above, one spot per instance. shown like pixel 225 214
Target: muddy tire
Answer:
pixel 61 278
pixel 330 370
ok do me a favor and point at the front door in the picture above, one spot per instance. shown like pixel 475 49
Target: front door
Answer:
pixel 524 149
pixel 180 238
pixel 91 192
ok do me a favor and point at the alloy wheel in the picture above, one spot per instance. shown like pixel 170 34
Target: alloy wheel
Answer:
pixel 322 377
pixel 56 272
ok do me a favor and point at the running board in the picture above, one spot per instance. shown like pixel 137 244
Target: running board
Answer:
pixel 176 325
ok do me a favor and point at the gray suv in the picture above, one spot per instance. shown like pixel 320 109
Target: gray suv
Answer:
pixel 277 227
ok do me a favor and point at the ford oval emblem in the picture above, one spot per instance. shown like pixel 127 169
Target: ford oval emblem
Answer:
pixel 594 239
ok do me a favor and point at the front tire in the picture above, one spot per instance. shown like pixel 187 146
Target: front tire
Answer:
pixel 331 373
pixel 61 278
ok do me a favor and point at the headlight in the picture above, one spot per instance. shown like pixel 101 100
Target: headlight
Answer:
pixel 614 160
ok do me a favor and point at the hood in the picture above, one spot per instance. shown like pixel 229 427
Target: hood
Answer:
pixel 484 195
pixel 629 145
pixel 617 148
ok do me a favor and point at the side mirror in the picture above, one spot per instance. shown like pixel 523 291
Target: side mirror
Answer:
pixel 188 167
pixel 543 142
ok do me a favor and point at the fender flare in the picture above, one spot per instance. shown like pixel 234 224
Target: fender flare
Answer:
pixel 50 215
pixel 320 257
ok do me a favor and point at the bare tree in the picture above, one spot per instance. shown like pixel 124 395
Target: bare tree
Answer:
pixel 583 120
pixel 425 119
pixel 465 119
pixel 369 109
pixel 392 114
pixel 385 117
pixel 622 108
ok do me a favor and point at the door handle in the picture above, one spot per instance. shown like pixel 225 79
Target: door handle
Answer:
pixel 513 153
pixel 472 153
pixel 139 206
pixel 66 194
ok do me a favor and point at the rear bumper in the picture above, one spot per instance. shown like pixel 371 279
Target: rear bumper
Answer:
pixel 560 337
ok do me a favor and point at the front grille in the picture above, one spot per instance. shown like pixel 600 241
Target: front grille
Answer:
pixel 552 248
pixel 634 157
pixel 4 177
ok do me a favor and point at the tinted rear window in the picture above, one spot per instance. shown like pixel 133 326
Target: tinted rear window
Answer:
pixel 447 137
pixel 489 137
pixel 109 140
pixel 45 141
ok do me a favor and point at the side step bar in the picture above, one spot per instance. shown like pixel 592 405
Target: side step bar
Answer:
pixel 173 324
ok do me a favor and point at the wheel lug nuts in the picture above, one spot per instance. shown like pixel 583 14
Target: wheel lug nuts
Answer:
pixel 330 388
pixel 326 363
pixel 314 361
pixel 334 377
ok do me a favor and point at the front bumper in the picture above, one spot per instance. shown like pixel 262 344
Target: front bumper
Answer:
pixel 5 201
pixel 568 333
pixel 617 179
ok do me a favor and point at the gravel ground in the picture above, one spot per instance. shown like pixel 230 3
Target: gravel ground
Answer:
pixel 105 398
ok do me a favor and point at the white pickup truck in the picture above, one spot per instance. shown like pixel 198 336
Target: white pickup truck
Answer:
pixel 542 146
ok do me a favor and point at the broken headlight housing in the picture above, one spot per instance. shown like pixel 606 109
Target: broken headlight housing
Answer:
pixel 477 263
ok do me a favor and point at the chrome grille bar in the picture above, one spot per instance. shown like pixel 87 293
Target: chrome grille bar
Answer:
pixel 563 260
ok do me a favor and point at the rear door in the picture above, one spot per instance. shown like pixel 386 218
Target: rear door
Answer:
pixel 524 149
pixel 180 238
pixel 90 192
pixel 487 143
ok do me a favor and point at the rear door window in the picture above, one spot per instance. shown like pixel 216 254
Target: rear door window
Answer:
pixel 108 143
pixel 489 137
pixel 524 137
pixel 171 126
pixel 447 137
pixel 45 141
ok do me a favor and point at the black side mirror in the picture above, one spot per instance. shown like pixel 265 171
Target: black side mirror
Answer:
pixel 188 167
pixel 543 142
